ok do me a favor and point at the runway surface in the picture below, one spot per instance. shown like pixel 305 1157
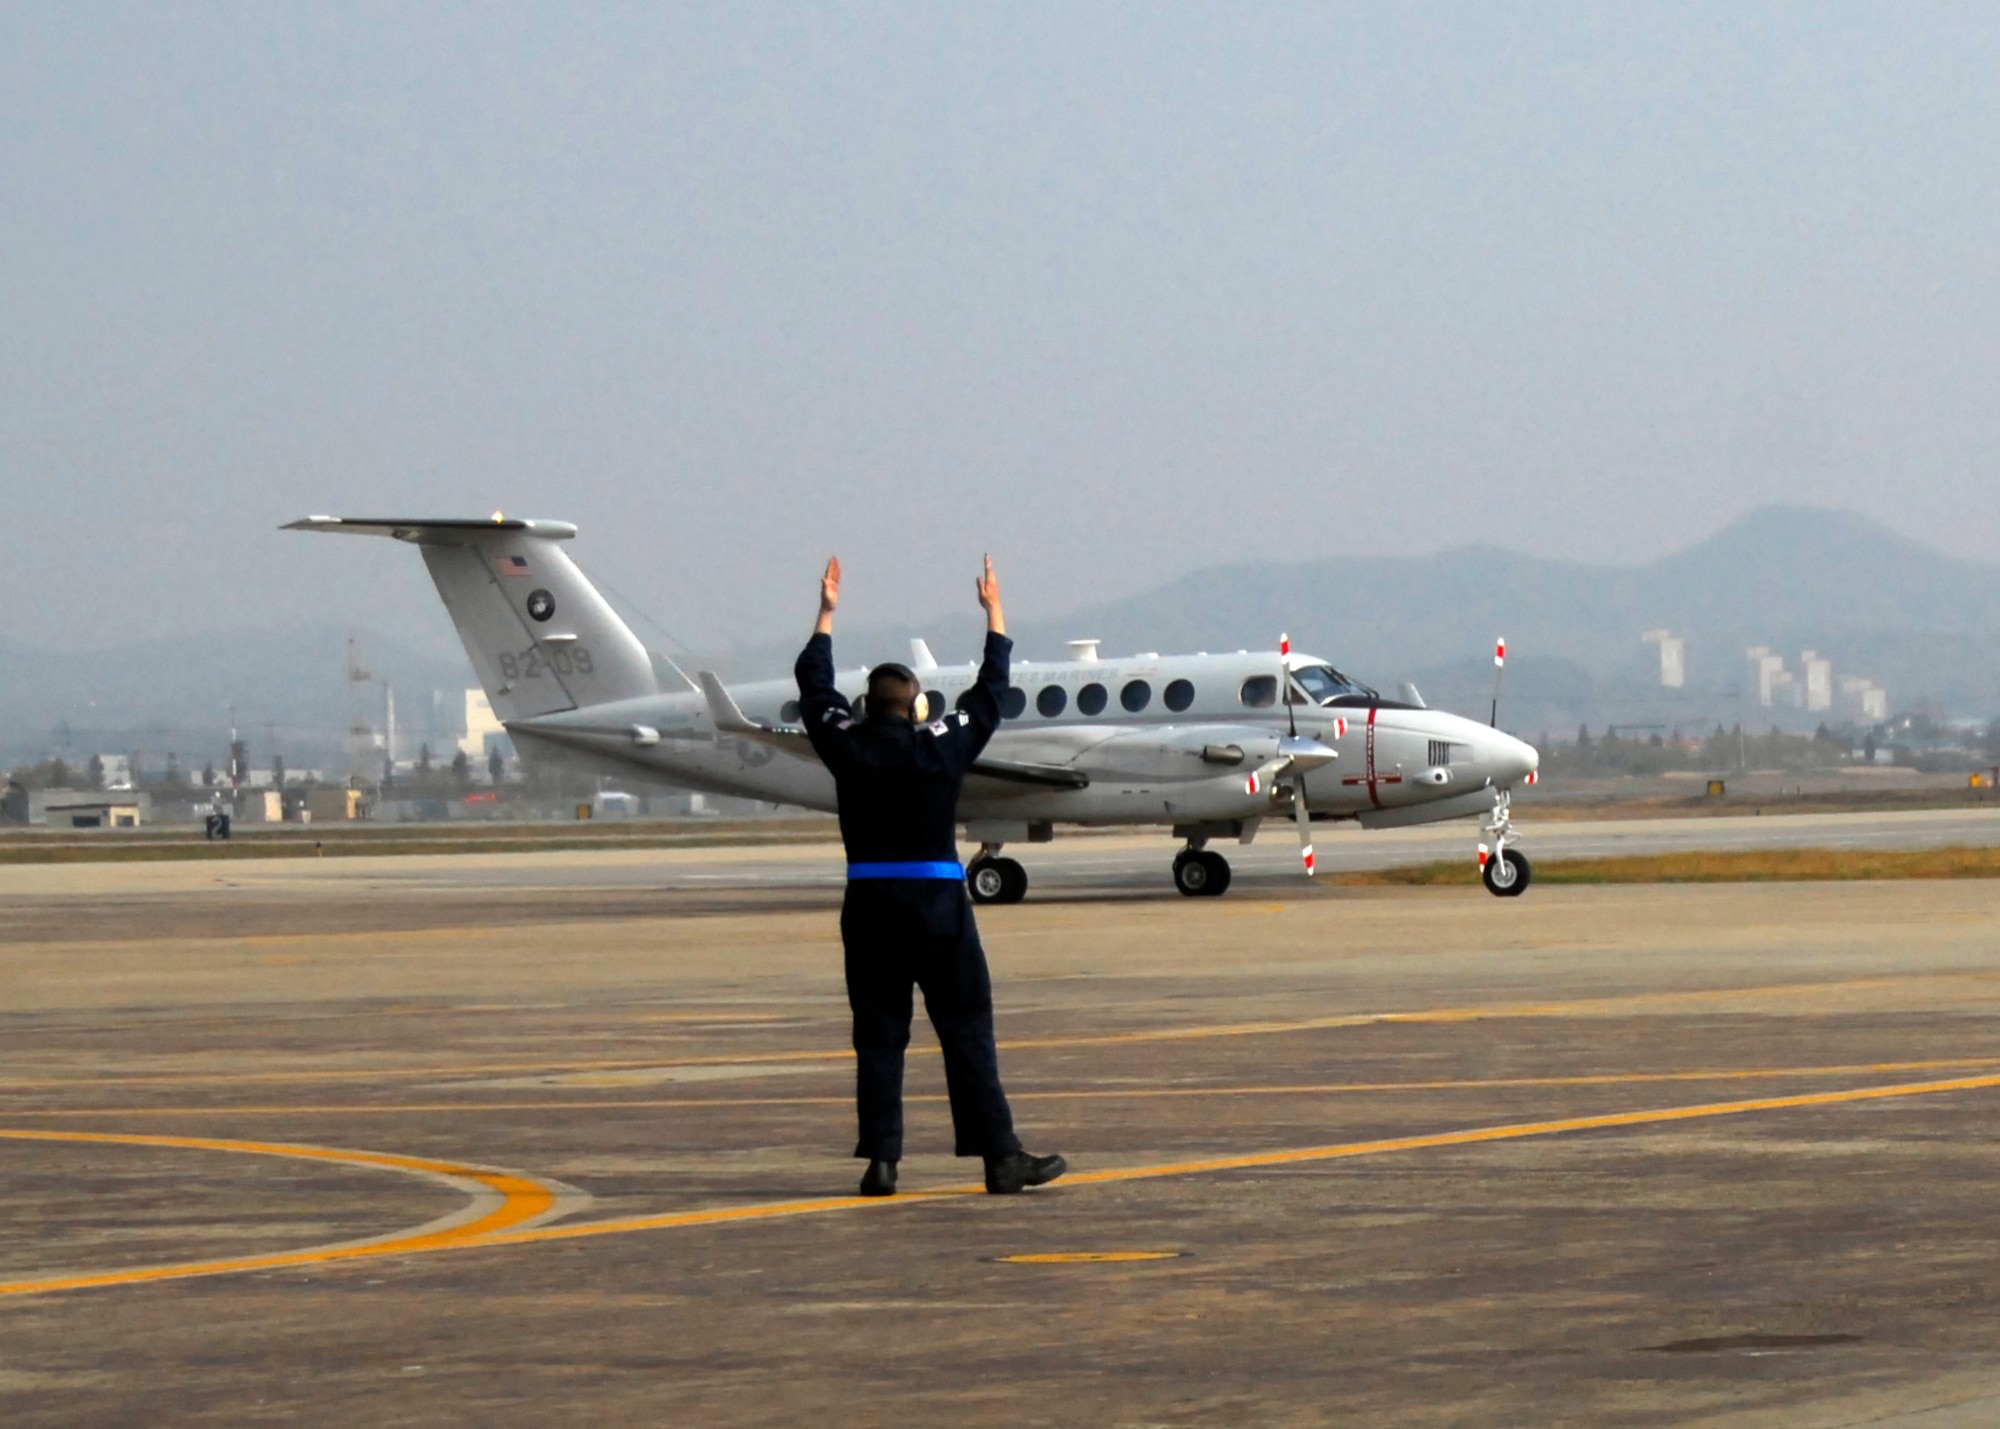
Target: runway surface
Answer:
pixel 1115 864
pixel 563 1138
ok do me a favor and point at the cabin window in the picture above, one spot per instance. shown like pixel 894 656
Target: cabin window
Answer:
pixel 1013 700
pixel 1179 695
pixel 1051 700
pixel 1260 691
pixel 1090 699
pixel 788 713
pixel 1136 695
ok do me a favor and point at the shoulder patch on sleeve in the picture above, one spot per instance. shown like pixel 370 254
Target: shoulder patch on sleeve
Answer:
pixel 963 719
pixel 936 726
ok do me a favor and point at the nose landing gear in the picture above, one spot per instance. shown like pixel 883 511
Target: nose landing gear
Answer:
pixel 1505 871
pixel 1199 873
pixel 993 879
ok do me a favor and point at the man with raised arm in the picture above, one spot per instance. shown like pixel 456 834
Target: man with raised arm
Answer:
pixel 908 918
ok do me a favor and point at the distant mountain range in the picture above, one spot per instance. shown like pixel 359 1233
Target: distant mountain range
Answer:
pixel 1923 624
pixel 1879 605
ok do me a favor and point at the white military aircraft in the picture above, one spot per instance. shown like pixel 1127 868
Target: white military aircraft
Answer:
pixel 1209 745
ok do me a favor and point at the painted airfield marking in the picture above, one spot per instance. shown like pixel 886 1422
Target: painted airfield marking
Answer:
pixel 1085 1257
pixel 486 1232
pixel 1257 1160
pixel 1603 1079
pixel 1491 1012
pixel 500 1201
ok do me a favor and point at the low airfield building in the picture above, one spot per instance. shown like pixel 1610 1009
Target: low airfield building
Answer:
pixel 76 808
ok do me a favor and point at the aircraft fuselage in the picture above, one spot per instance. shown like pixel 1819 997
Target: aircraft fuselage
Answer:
pixel 1160 739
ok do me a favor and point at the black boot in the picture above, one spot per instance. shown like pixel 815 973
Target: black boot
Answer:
pixel 879 1179
pixel 1017 1170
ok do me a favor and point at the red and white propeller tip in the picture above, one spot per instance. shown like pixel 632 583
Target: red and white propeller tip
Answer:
pixel 1499 653
pixel 1284 644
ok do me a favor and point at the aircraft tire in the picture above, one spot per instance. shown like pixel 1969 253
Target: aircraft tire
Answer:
pixel 985 880
pixel 1201 874
pixel 996 880
pixel 1511 881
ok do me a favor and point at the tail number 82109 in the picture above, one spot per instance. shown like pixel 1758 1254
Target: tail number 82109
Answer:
pixel 533 663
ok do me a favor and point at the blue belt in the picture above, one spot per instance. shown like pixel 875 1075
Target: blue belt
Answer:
pixel 944 868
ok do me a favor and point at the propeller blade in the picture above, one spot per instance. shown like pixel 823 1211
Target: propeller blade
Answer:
pixel 1499 669
pixel 1304 820
pixel 1285 684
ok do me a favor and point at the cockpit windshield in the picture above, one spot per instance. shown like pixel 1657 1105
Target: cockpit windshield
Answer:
pixel 1326 684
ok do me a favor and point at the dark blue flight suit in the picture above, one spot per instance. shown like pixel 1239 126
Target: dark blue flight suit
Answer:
pixel 907 917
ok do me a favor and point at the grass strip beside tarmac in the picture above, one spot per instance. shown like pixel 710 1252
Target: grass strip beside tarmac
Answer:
pixel 158 844
pixel 1794 865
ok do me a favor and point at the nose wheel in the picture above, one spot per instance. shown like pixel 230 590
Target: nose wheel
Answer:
pixel 993 879
pixel 1507 874
pixel 1503 869
pixel 1199 873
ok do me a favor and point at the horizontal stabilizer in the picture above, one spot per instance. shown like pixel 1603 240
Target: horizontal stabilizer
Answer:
pixel 449 531
pixel 540 636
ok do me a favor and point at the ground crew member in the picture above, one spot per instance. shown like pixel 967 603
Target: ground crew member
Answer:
pixel 907 917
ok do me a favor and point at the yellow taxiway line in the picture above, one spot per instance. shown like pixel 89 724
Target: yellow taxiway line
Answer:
pixel 524 1199
pixel 1257 1160
pixel 501 1201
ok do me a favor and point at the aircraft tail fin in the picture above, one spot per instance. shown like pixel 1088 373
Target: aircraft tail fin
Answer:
pixel 539 634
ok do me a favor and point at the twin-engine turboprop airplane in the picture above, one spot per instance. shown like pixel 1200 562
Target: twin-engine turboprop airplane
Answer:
pixel 1209 745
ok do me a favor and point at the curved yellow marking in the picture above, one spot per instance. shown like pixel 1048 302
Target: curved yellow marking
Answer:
pixel 520 1200
pixel 521 1194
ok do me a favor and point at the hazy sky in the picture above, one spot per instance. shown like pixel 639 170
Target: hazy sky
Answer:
pixel 1114 290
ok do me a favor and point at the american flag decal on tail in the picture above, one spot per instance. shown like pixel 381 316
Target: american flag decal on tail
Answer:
pixel 514 566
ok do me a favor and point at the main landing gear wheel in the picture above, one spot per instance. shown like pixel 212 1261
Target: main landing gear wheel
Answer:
pixel 1507 875
pixel 996 880
pixel 1201 874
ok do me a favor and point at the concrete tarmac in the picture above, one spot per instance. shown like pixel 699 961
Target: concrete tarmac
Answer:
pixel 1117 864
pixel 331 1142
